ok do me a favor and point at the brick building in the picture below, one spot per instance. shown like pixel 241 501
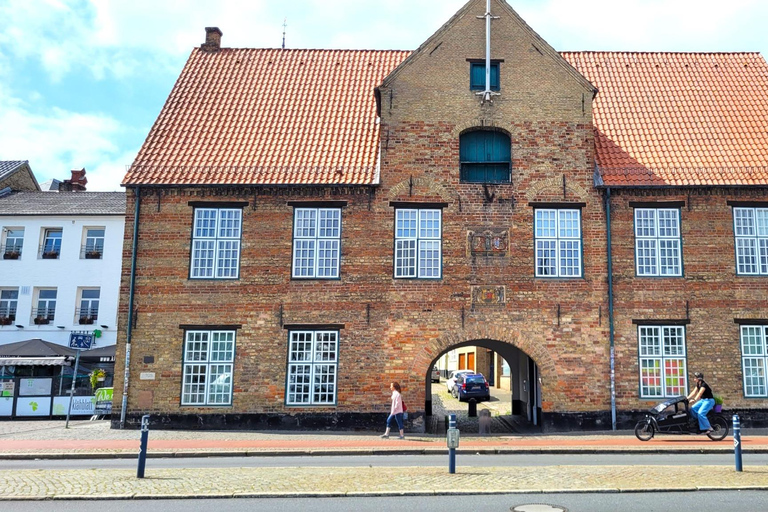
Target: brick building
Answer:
pixel 308 225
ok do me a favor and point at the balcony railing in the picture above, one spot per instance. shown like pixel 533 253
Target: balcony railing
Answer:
pixel 86 316
pixel 11 251
pixel 7 316
pixel 48 252
pixel 43 316
pixel 91 252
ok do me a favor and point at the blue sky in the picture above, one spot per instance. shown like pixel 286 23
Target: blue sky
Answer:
pixel 82 81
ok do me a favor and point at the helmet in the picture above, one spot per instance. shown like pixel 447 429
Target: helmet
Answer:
pixel 698 375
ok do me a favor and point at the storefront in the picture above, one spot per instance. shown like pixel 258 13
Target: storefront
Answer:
pixel 36 379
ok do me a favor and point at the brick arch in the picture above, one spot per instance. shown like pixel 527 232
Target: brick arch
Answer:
pixel 425 185
pixel 482 125
pixel 555 185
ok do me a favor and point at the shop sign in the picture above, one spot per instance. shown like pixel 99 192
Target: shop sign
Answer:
pixel 81 405
pixel 6 388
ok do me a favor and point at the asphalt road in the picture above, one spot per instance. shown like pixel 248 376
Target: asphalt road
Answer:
pixel 700 501
pixel 521 460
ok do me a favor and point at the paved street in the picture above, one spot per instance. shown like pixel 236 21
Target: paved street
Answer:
pixel 85 439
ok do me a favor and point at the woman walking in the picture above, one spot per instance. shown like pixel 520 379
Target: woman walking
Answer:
pixel 396 410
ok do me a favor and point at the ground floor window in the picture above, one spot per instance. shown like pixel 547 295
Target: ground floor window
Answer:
pixel 662 361
pixel 754 354
pixel 312 367
pixel 208 361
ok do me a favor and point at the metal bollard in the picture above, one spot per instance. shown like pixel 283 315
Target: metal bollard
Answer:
pixel 472 410
pixel 143 448
pixel 737 441
pixel 452 438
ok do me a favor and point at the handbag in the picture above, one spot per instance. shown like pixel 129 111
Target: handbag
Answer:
pixel 405 408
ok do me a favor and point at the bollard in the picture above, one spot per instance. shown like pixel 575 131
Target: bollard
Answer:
pixel 143 448
pixel 737 441
pixel 452 438
pixel 484 423
pixel 472 412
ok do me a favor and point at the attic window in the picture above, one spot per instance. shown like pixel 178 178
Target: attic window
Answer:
pixel 477 75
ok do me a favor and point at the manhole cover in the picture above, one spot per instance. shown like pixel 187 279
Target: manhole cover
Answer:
pixel 538 507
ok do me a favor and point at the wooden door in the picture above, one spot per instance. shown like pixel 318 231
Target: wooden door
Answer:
pixel 471 361
pixel 462 361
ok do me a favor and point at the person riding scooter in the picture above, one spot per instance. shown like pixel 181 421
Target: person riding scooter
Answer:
pixel 703 401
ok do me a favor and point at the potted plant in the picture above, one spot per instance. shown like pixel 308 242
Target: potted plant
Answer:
pixel 86 320
pixel 98 375
pixel 93 255
pixel 11 254
pixel 7 320
pixel 50 255
pixel 41 320
pixel 718 404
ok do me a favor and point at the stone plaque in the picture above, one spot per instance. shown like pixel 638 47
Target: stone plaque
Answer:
pixel 488 242
pixel 488 295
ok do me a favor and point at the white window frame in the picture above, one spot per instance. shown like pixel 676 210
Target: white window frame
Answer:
pixel 216 236
pixel 50 312
pixel 750 230
pixel 93 243
pixel 558 244
pixel 208 356
pixel 90 305
pixel 754 360
pixel 13 243
pixel 316 243
pixel 658 242
pixel 9 306
pixel 657 346
pixel 418 243
pixel 313 368
pixel 47 232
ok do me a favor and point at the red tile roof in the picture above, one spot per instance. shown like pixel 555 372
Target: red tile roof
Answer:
pixel 679 118
pixel 268 116
pixel 271 116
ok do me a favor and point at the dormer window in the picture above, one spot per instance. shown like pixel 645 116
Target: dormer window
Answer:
pixel 485 156
pixel 477 75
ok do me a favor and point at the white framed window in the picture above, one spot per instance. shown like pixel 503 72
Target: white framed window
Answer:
pixel 9 300
pixel 316 243
pixel 45 299
pixel 750 227
pixel 216 243
pixel 558 242
pixel 208 362
pixel 88 310
pixel 51 246
pixel 663 361
pixel 418 243
pixel 13 242
pixel 754 358
pixel 93 243
pixel 658 242
pixel 312 367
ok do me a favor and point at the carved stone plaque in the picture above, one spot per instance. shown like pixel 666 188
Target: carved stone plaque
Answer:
pixel 488 242
pixel 488 295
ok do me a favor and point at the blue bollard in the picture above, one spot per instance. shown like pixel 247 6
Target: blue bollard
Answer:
pixel 453 442
pixel 143 448
pixel 737 441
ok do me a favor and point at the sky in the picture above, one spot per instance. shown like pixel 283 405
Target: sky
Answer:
pixel 82 81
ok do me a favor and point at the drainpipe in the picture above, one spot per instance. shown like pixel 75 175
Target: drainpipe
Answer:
pixel 129 330
pixel 610 307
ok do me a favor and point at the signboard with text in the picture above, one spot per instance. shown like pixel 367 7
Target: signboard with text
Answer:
pixel 80 341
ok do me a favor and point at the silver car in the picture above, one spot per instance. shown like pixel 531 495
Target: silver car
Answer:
pixel 435 374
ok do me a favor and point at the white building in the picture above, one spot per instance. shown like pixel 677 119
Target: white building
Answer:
pixel 60 265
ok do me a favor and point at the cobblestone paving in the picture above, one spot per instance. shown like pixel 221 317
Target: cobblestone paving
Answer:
pixel 100 483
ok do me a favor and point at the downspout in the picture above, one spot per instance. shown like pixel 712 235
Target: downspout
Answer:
pixel 610 307
pixel 129 330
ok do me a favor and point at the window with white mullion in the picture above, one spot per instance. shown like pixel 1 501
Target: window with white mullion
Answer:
pixel 312 368
pixel 750 227
pixel 208 368
pixel 754 359
pixel 418 243
pixel 316 243
pixel 657 242
pixel 558 243
pixel 216 243
pixel 662 355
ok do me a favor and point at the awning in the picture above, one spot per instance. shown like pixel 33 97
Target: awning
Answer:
pixel 35 361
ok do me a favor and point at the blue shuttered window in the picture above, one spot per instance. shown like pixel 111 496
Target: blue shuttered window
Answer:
pixel 477 76
pixel 485 157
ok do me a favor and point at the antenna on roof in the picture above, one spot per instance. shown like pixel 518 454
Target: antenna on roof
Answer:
pixel 285 24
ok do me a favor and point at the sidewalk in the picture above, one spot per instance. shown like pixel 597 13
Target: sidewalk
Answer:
pixel 85 439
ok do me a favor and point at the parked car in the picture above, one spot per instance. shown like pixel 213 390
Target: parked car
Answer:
pixel 472 385
pixel 452 378
pixel 435 374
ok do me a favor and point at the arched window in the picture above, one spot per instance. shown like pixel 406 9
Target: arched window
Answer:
pixel 485 157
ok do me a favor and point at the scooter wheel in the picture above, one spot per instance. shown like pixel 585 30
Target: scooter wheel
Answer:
pixel 644 430
pixel 719 428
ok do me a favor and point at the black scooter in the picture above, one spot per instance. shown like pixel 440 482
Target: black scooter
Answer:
pixel 674 417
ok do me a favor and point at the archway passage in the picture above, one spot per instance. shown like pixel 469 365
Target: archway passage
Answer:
pixel 512 374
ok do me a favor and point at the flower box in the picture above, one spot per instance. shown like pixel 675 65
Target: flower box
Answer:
pixel 93 255
pixel 50 255
pixel 41 320
pixel 7 320
pixel 86 320
pixel 11 255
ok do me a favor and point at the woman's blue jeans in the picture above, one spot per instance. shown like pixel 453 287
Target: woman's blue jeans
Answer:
pixel 700 410
pixel 398 417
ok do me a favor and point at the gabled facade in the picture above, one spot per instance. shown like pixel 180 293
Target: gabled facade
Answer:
pixel 17 175
pixel 308 225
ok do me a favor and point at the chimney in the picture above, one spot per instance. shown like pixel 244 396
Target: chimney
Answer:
pixel 212 40
pixel 76 184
